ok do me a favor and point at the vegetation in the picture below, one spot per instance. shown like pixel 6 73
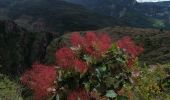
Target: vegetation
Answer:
pixel 155 42
pixel 9 90
pixel 42 58
pixel 19 48
pixel 94 68
pixel 31 45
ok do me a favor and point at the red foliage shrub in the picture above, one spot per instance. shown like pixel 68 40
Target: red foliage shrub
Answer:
pixel 130 47
pixel 93 44
pixel 96 45
pixel 90 43
pixel 65 58
pixel 80 66
pixel 105 42
pixel 39 79
pixel 78 94
pixel 91 37
pixel 77 39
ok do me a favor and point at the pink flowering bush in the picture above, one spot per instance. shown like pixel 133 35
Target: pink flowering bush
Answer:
pixel 92 44
pixel 130 48
pixel 92 68
pixel 40 78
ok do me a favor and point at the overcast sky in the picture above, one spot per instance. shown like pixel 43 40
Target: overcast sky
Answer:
pixel 151 0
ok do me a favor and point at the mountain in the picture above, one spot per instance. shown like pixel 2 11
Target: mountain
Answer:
pixel 107 7
pixel 76 15
pixel 130 12
pixel 52 15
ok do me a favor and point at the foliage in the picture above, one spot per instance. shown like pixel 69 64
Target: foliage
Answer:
pixel 19 48
pixel 10 51
pixel 9 90
pixel 166 81
pixel 149 85
pixel 95 68
pixel 40 79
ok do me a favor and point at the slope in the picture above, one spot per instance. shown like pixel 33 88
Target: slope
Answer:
pixel 130 12
pixel 54 15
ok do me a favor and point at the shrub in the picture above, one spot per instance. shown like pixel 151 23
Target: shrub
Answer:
pixel 94 68
pixel 9 90
pixel 40 79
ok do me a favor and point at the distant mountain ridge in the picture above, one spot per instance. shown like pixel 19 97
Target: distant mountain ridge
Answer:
pixel 78 15
pixel 52 15
pixel 105 6
pixel 130 12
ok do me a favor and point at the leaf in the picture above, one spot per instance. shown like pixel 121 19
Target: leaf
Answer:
pixel 110 94
pixel 98 73
pixel 103 68
pixel 109 81
pixel 87 86
pixel 114 47
pixel 87 58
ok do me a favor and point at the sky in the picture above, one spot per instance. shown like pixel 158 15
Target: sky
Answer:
pixel 151 0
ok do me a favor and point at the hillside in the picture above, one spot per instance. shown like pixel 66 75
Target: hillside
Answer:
pixel 78 15
pixel 156 42
pixel 56 15
pixel 107 7
pixel 19 47
pixel 130 12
